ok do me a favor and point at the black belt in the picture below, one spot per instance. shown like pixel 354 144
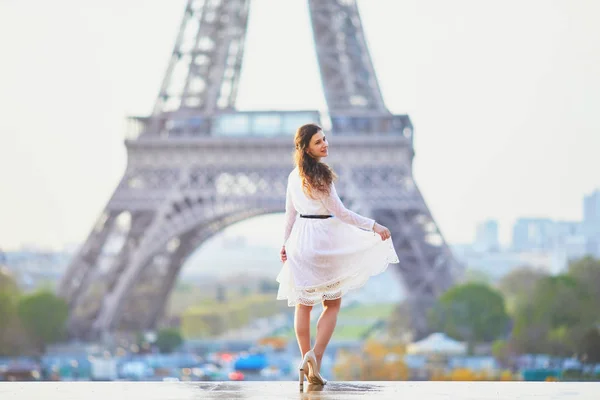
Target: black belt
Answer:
pixel 316 216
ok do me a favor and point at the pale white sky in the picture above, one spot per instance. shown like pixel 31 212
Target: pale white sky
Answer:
pixel 504 96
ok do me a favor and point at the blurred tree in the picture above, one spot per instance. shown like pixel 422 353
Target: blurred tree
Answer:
pixel 139 338
pixel 472 312
pixel 348 366
pixel 11 334
pixel 7 282
pixel 8 297
pixel 558 315
pixel 400 322
pixel 7 316
pixel 475 275
pixel 501 350
pixel 168 339
pixel 44 317
pixel 517 286
pixel 587 272
pixel 589 347
pixel 7 309
pixel 376 362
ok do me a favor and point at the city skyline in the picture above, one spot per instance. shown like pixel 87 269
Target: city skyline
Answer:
pixel 504 119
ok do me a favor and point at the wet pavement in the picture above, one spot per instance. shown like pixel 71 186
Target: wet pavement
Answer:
pixel 290 390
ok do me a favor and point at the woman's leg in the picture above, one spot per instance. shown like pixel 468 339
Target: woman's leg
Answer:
pixel 325 326
pixel 302 327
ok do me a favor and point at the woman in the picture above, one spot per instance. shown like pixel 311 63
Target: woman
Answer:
pixel 327 250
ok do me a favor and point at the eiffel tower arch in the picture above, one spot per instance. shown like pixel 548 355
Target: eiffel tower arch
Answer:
pixel 197 165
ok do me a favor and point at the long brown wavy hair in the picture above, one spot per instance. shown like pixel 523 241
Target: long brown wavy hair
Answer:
pixel 315 175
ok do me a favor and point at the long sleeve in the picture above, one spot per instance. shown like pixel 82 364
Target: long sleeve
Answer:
pixel 334 204
pixel 290 215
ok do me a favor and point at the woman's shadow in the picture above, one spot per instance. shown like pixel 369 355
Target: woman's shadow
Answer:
pixel 313 392
pixel 337 390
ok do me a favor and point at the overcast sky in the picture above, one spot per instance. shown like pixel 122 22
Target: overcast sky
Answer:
pixel 504 96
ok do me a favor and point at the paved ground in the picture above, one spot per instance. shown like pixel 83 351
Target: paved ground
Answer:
pixel 290 390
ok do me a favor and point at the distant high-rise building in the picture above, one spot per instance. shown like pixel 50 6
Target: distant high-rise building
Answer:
pixel 486 236
pixel 591 207
pixel 591 222
pixel 568 243
pixel 533 234
pixel 565 231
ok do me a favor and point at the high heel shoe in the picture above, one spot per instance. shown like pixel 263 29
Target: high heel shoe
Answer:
pixel 301 375
pixel 309 368
pixel 302 372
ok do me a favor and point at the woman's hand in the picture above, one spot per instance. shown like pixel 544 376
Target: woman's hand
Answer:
pixel 283 255
pixel 382 231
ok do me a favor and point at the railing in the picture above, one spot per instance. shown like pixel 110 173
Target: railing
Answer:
pixel 134 127
pixel 263 124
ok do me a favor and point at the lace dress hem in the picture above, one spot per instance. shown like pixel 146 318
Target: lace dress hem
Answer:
pixel 335 289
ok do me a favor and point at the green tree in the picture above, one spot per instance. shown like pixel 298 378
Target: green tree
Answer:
pixel 587 272
pixel 7 316
pixel 168 339
pixel 501 350
pixel 8 297
pixel 7 282
pixel 44 317
pixel 559 313
pixel 589 346
pixel 472 312
pixel 518 285
pixel 13 340
pixel 474 275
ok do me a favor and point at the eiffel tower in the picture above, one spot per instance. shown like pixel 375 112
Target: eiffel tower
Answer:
pixel 197 165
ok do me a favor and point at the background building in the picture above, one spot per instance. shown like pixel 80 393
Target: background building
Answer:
pixel 591 222
pixel 486 236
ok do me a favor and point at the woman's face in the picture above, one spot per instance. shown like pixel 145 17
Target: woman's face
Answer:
pixel 318 145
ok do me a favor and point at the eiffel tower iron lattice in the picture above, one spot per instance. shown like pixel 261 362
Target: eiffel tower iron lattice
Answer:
pixel 196 165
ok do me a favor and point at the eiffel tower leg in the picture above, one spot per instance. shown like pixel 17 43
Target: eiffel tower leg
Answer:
pixel 205 66
pixel 172 211
pixel 347 73
pixel 144 303
pixel 80 268
pixel 140 223
pixel 85 299
pixel 427 267
pixel 139 298
pixel 157 299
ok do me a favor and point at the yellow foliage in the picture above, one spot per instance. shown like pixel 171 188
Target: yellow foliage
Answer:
pixel 275 342
pixel 437 376
pixel 384 361
pixel 506 376
pixel 462 374
pixel 465 374
pixel 376 361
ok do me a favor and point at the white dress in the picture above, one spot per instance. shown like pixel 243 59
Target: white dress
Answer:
pixel 326 258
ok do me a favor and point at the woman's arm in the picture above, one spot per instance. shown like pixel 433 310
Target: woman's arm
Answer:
pixel 334 204
pixel 290 215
